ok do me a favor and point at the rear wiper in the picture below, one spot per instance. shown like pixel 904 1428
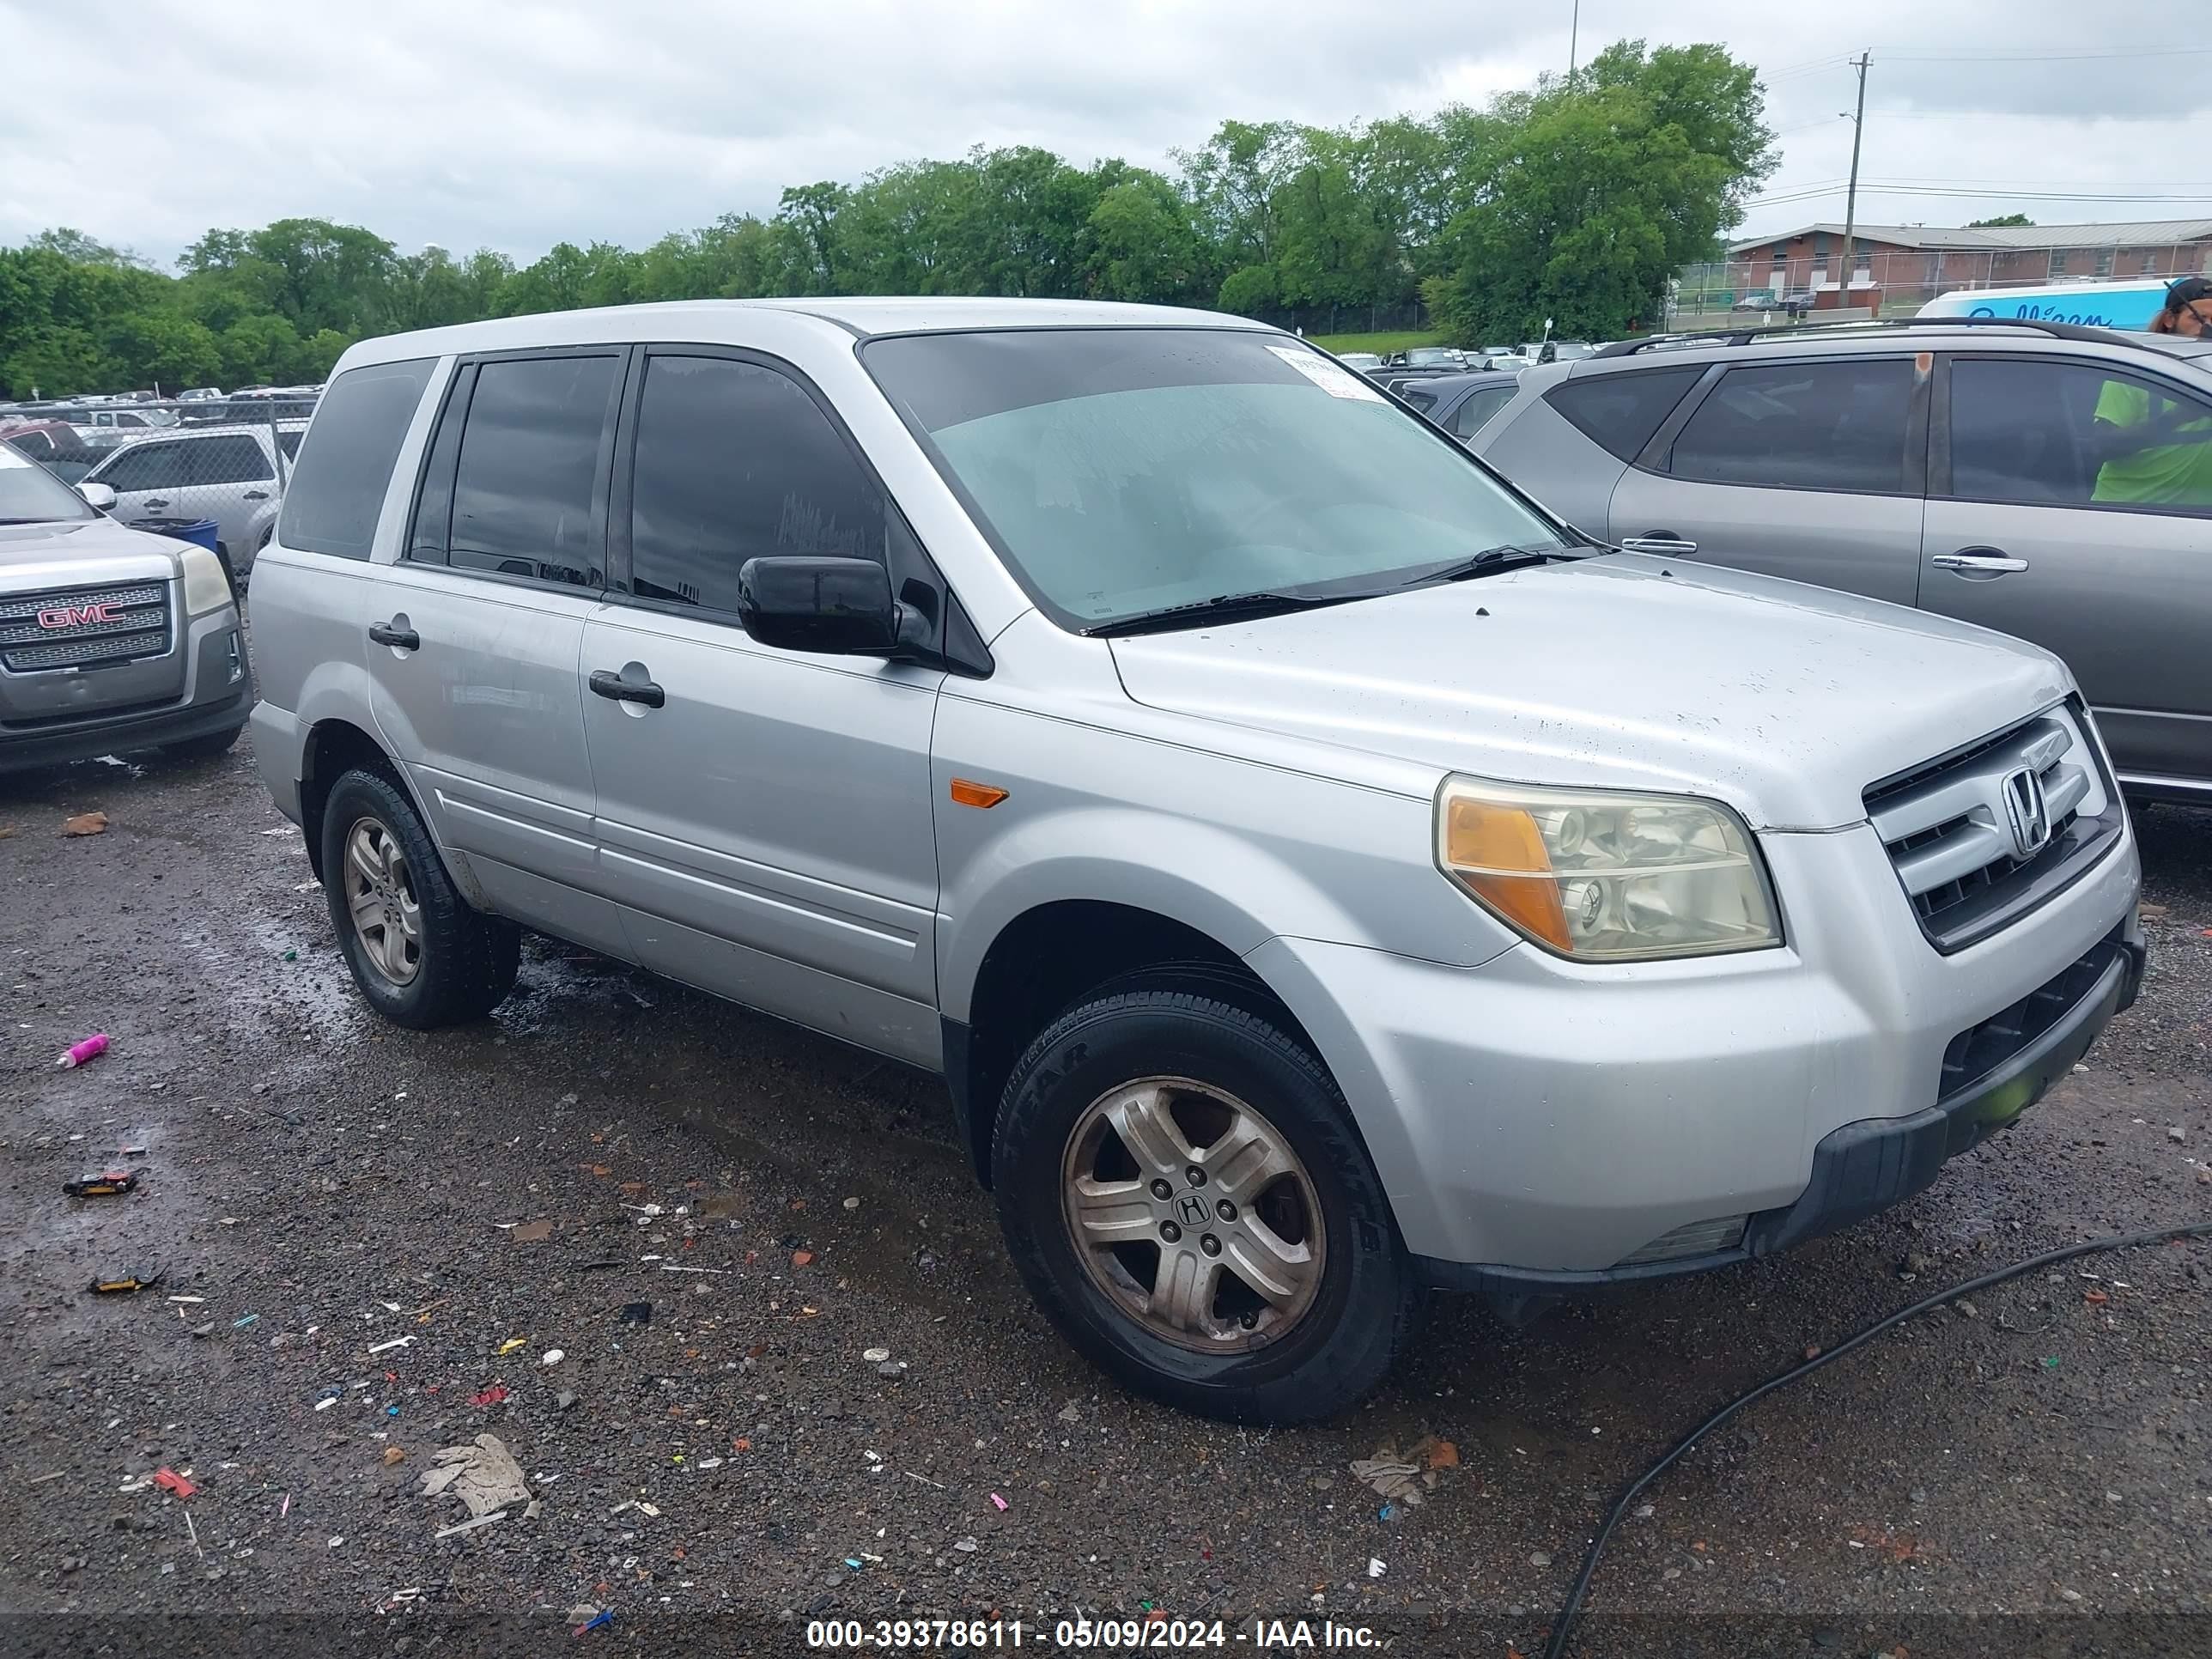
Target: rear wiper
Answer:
pixel 1223 607
pixel 1506 557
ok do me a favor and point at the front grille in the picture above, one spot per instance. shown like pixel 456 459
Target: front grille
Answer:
pixel 92 627
pixel 1949 826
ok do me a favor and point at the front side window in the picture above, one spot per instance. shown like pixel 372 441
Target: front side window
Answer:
pixel 735 461
pixel 1834 425
pixel 145 466
pixel 1125 472
pixel 336 493
pixel 2042 433
pixel 526 490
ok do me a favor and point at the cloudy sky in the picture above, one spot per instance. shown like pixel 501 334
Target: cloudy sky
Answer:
pixel 494 123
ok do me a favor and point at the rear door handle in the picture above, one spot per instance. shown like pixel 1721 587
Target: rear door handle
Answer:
pixel 255 495
pixel 384 634
pixel 1975 562
pixel 608 684
pixel 1661 543
pixel 150 501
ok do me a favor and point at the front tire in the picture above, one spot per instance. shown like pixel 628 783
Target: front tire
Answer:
pixel 1182 1192
pixel 420 955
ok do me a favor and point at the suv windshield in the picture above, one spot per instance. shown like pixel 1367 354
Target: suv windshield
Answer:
pixel 1128 471
pixel 30 495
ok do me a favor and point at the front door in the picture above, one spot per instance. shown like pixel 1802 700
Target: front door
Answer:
pixel 474 668
pixel 763 816
pixel 1806 469
pixel 2071 504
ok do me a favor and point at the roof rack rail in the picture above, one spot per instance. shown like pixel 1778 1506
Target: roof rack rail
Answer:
pixel 1746 335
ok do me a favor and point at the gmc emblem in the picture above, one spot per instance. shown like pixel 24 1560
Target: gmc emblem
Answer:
pixel 75 616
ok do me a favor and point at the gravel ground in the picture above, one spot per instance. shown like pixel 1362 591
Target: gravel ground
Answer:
pixel 323 1187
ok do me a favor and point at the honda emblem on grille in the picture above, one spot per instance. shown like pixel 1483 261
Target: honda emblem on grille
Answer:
pixel 75 616
pixel 2027 814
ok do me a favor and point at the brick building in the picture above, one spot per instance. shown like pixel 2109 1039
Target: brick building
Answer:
pixel 1927 260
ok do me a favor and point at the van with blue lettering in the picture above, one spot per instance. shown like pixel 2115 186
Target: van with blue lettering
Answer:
pixel 2095 305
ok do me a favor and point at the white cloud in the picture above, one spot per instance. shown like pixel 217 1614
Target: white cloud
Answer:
pixel 516 126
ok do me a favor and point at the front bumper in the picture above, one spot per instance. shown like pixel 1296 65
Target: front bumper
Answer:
pixel 212 701
pixel 1537 1121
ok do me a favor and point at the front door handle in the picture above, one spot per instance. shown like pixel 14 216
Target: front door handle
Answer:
pixel 149 501
pixel 255 495
pixel 1977 563
pixel 608 684
pixel 1662 542
pixel 384 634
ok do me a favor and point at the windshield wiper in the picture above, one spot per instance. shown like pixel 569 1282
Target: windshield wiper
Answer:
pixel 1505 557
pixel 1223 607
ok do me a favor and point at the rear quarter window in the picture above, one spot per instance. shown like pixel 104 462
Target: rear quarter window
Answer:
pixel 337 486
pixel 1620 410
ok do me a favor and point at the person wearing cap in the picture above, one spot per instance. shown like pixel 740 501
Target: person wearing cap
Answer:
pixel 2159 449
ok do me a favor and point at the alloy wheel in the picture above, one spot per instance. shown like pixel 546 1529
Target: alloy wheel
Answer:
pixel 380 893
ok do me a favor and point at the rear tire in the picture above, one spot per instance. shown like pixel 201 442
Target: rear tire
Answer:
pixel 419 953
pixel 1311 1218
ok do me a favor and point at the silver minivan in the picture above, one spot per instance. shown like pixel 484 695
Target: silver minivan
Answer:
pixel 1317 872
pixel 2037 478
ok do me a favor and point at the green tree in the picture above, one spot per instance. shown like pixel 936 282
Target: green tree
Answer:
pixel 2003 220
pixel 1250 290
pixel 164 349
pixel 1141 244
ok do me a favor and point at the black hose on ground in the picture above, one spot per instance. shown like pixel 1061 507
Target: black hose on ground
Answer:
pixel 1563 1624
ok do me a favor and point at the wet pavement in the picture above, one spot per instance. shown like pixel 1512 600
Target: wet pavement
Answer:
pixel 350 1211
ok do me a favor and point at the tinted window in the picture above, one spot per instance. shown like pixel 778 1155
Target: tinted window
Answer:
pixel 337 492
pixel 290 443
pixel 1813 425
pixel 2073 434
pixel 735 462
pixel 1619 412
pixel 433 505
pixel 1423 401
pixel 1475 414
pixel 526 494
pixel 145 466
pixel 236 459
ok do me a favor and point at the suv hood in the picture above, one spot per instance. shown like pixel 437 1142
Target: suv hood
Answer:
pixel 33 557
pixel 1619 670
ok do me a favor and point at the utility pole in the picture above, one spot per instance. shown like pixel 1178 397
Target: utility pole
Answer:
pixel 1574 38
pixel 1852 196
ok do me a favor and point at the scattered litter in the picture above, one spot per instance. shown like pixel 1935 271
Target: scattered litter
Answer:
pixel 170 1480
pixel 188 1301
pixel 393 1454
pixel 852 1203
pixel 2095 1299
pixel 800 1258
pixel 997 1503
pixel 326 1402
pixel 606 1616
pixel 490 1396
pixel 1375 1568
pixel 285 1508
pixel 125 1283
pixel 482 1474
pixel 582 1614
pixel 637 1313
pixel 854 1562
pixel 460 1527
pixel 110 1183
pixel 1443 1454
pixel 1389 1512
pixel 396 1342
pixel 924 1478
pixel 532 1232
pixel 966 1546
pixel 334 1542
pixel 670 1267
pixel 85 824
pixel 42 1479
pixel 89 1048
pixel 554 1357
pixel 708 1464
pixel 392 1411
pixel 876 1356
pixel 291 955
pixel 510 1345
pixel 1390 1475
pixel 243 1321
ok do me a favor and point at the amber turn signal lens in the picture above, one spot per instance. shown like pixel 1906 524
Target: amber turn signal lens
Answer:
pixel 1498 854
pixel 967 793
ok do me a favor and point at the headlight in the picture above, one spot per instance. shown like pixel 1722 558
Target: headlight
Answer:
pixel 206 588
pixel 1607 877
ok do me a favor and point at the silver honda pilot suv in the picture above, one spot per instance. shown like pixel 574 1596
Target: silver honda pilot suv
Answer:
pixel 1317 872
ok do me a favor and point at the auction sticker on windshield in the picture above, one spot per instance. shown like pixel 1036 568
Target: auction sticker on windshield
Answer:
pixel 1336 381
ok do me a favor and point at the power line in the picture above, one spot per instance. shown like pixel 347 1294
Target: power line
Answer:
pixel 2034 56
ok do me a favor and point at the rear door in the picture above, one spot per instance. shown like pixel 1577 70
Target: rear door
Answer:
pixel 1811 469
pixel 2070 503
pixel 765 817
pixel 474 669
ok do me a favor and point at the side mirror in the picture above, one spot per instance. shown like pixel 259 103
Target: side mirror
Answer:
pixel 97 496
pixel 840 606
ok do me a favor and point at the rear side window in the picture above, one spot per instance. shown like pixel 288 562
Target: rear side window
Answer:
pixel 1805 425
pixel 337 491
pixel 528 487
pixel 736 461
pixel 1619 412
pixel 1471 416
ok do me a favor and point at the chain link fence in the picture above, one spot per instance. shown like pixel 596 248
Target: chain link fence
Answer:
pixel 210 469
